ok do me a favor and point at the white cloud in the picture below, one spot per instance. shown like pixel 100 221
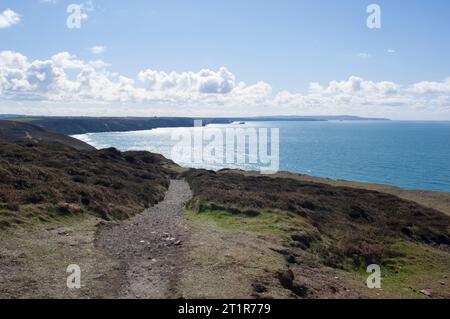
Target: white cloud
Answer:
pixel 356 85
pixel 363 55
pixel 98 49
pixel 99 64
pixel 88 5
pixel 65 79
pixel 431 87
pixel 13 60
pixel 65 60
pixel 205 81
pixel 8 18
pixel 391 51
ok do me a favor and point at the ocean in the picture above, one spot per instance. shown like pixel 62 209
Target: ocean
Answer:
pixel 410 155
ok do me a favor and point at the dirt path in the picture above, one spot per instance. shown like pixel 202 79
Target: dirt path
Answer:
pixel 150 246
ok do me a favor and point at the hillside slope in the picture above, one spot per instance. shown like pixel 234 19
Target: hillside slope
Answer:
pixel 82 125
pixel 44 181
pixel 322 232
pixel 12 131
pixel 53 197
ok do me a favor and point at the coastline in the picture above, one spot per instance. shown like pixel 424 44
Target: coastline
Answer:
pixel 438 200
pixel 277 236
pixel 350 151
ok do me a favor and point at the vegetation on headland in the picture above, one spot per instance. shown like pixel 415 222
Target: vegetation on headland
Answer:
pixel 336 227
pixel 82 125
pixel 41 181
pixel 22 131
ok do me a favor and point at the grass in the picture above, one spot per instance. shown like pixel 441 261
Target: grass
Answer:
pixel 238 251
pixel 230 253
pixel 24 119
pixel 416 267
pixel 29 215
pixel 408 268
pixel 278 224
pixel 346 227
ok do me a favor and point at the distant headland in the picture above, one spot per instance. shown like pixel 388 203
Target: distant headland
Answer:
pixel 81 125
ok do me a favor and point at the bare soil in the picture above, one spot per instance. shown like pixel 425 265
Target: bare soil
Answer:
pixel 230 262
pixel 151 246
pixel 34 261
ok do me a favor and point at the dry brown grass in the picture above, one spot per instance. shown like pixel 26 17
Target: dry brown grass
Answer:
pixel 437 200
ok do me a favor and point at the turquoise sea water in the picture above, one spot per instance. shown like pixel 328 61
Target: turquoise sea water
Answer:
pixel 412 155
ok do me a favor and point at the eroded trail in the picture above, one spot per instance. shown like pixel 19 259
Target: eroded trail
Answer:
pixel 150 246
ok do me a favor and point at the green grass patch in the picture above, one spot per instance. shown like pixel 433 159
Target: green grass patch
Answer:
pixel 416 267
pixel 277 224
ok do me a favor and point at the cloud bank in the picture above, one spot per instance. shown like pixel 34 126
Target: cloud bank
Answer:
pixel 63 78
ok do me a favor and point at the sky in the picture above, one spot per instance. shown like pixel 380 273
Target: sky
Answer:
pixel 225 58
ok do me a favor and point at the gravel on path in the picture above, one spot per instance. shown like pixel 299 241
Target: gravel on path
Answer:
pixel 150 246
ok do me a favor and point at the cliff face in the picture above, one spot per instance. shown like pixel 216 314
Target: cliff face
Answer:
pixel 72 126
pixel 82 125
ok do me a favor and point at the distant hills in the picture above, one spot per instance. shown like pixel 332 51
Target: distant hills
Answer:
pixel 82 125
pixel 310 118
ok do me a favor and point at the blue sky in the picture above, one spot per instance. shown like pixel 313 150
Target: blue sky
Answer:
pixel 286 45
